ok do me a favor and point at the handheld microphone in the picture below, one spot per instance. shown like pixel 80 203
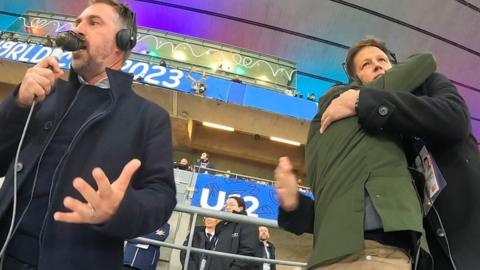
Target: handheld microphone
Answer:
pixel 67 41
pixel 70 41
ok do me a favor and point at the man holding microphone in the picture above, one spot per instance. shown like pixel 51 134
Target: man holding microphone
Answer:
pixel 95 167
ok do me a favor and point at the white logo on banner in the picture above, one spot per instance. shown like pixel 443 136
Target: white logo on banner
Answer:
pixel 222 198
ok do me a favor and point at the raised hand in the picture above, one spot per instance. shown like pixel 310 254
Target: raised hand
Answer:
pixel 38 81
pixel 286 184
pixel 101 204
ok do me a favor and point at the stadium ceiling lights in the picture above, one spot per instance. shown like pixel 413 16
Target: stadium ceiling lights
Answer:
pixel 218 126
pixel 277 139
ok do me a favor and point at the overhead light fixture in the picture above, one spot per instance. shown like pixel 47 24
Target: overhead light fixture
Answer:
pixel 218 126
pixel 200 88
pixel 214 67
pixel 197 85
pixel 153 53
pixel 226 66
pixel 277 139
pixel 239 70
pixel 179 55
pixel 263 78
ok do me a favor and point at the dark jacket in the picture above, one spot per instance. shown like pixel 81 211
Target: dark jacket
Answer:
pixel 231 237
pixel 261 251
pixel 437 113
pixel 144 256
pixel 236 238
pixel 127 127
pixel 199 241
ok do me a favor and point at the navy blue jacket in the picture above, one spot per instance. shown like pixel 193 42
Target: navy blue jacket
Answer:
pixel 127 127
pixel 145 257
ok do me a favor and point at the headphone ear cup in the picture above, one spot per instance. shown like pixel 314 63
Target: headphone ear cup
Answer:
pixel 123 39
pixel 133 35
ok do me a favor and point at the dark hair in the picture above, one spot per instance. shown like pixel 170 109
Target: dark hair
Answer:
pixel 123 10
pixel 127 18
pixel 240 202
pixel 366 42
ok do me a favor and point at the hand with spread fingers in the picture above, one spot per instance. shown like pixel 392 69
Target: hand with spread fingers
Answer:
pixel 341 107
pixel 286 184
pixel 101 204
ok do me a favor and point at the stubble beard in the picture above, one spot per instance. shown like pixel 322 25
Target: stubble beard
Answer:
pixel 83 64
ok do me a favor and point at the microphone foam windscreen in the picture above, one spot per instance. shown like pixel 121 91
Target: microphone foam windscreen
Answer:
pixel 69 41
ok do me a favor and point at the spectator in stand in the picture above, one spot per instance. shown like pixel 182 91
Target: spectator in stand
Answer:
pixel 202 238
pixel 236 238
pixel 144 256
pixel 265 249
pixel 232 237
pixel 183 165
pixel 204 162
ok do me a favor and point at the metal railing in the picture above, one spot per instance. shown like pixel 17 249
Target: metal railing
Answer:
pixel 195 211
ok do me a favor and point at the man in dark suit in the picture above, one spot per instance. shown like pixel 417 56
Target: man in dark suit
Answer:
pixel 204 162
pixel 265 248
pixel 95 167
pixel 203 236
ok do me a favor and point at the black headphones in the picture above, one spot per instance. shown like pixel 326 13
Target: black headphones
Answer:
pixel 351 77
pixel 126 38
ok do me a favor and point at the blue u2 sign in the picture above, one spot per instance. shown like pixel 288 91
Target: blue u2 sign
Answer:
pixel 212 191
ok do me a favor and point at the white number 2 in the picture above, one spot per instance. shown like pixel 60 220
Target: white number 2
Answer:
pixel 250 210
pixel 150 77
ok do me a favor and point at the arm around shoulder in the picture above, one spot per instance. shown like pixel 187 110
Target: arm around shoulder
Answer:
pixel 434 111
